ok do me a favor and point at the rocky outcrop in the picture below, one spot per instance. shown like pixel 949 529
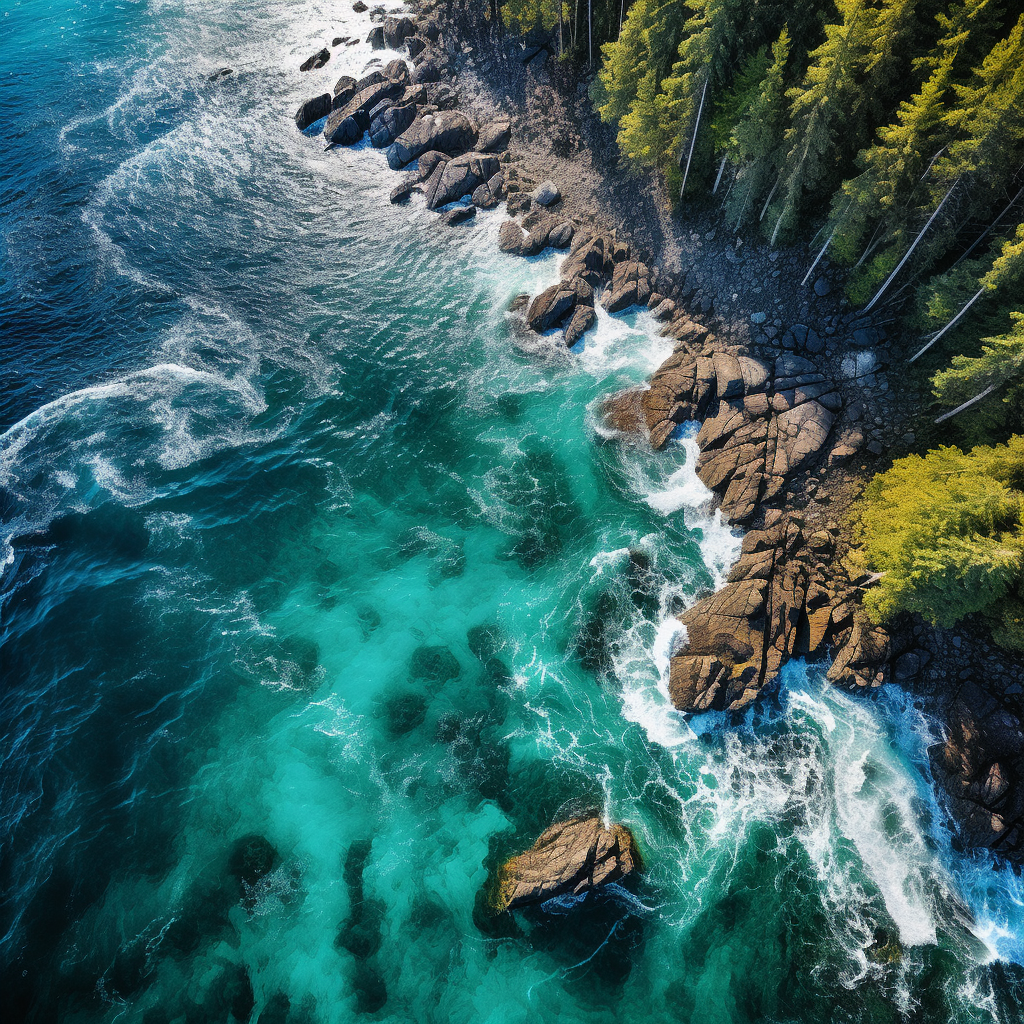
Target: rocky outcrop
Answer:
pixel 447 131
pixel 555 304
pixel 495 136
pixel 458 177
pixel 761 421
pixel 980 766
pixel 570 858
pixel 358 108
pixel 631 285
pixel 490 193
pixel 312 110
pixel 390 123
pixel 784 598
pixel 397 30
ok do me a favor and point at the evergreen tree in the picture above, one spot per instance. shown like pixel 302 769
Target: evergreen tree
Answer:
pixel 756 139
pixel 823 105
pixel 697 77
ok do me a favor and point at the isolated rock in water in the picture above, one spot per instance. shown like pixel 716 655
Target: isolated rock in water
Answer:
pixel 448 131
pixel 784 598
pixel 387 126
pixel 458 214
pixel 312 110
pixel 546 193
pixel 318 60
pixel 570 858
pixel 359 7
pixel 396 30
pixel 376 37
pixel 495 136
pixel 459 177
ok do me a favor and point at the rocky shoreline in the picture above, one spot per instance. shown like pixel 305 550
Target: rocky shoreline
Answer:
pixel 797 410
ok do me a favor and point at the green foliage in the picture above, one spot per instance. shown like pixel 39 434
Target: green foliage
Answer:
pixel 523 15
pixel 945 530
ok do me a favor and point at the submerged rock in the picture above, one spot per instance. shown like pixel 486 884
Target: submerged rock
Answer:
pixel 570 858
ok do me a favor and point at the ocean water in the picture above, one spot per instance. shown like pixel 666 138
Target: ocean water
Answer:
pixel 321 593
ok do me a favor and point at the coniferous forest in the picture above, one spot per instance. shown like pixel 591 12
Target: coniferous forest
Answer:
pixel 889 136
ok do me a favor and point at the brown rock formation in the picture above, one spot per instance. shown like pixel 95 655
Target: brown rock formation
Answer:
pixel 785 597
pixel 980 766
pixel 761 421
pixel 569 858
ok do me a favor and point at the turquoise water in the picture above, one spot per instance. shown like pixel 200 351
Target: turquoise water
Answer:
pixel 318 600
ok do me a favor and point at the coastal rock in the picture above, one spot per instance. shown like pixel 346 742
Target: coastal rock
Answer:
pixel 345 87
pixel 448 131
pixel 458 214
pixel 554 304
pixel 401 193
pixel 570 858
pixel 359 107
pixel 414 46
pixel 761 422
pixel 458 177
pixel 426 71
pixel 980 768
pixel 429 161
pixel 359 7
pixel 631 286
pixel 582 319
pixel 397 30
pixel 376 37
pixel 511 239
pixel 495 136
pixel 591 258
pixel 490 193
pixel 784 598
pixel 388 125
pixel 312 110
pixel 318 60
pixel 546 193
pixel 561 235
pixel 346 132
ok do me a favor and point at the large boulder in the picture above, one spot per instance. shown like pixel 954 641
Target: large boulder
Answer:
pixel 592 258
pixel 426 71
pixel 359 107
pixel 348 131
pixel 448 131
pixel 554 304
pixel 570 858
pixel 495 136
pixel 458 177
pixel 389 124
pixel 376 37
pixel 318 60
pixel 631 286
pixel 397 30
pixel 546 193
pixel 312 110
pixel 346 87
pixel 490 193
pixel 414 46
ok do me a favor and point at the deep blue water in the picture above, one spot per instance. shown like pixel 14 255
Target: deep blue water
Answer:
pixel 316 602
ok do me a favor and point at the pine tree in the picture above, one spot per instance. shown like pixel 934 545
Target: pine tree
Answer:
pixel 697 77
pixel 822 106
pixel 971 379
pixel 756 141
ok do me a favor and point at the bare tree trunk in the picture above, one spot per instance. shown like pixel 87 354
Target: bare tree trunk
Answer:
pixel 767 202
pixel 693 139
pixel 818 257
pixel 899 266
pixel 590 32
pixel 721 167
pixel 967 305
pixel 973 401
pixel 984 234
